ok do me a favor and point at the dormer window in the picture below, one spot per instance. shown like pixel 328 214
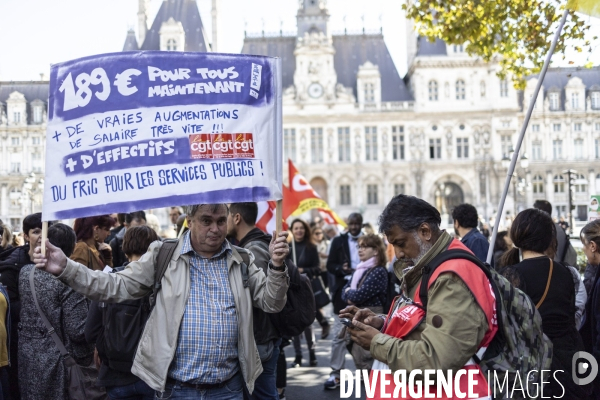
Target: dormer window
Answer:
pixel 171 45
pixel 575 101
pixel 554 101
pixel 369 93
pixel 172 36
pixel 458 48
pixel 37 114
pixel 16 117
pixel 595 100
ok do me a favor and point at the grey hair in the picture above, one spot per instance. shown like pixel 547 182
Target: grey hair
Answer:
pixel 192 209
pixel 409 213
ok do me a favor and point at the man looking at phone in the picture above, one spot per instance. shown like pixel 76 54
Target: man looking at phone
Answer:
pixel 343 258
pixel 460 320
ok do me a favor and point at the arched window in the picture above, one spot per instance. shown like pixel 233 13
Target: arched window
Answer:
pixel 171 45
pixel 460 89
pixel 433 91
pixel 538 184
pixel 559 184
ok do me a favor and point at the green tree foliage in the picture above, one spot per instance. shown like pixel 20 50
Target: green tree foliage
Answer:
pixel 516 33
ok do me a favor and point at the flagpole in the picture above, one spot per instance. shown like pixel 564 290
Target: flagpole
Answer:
pixel 515 157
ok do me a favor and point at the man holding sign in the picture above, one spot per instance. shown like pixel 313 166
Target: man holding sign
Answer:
pixel 198 341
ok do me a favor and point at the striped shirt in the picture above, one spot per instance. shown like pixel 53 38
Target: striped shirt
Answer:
pixel 207 349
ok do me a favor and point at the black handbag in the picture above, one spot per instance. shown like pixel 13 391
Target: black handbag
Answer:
pixel 321 296
pixel 81 380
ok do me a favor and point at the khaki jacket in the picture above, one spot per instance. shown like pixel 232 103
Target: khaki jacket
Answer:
pixel 158 342
pixel 460 324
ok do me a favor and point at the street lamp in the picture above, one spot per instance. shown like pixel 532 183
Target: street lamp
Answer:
pixel 571 175
pixel 516 180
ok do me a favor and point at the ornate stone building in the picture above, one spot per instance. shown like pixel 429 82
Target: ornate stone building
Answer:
pixel 362 133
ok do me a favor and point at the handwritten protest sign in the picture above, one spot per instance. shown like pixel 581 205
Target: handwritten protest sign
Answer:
pixel 136 130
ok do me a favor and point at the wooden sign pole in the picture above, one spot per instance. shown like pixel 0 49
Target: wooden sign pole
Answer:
pixel 279 217
pixel 44 236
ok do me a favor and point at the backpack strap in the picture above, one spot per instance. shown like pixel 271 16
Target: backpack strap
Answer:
pixel 165 254
pixel 441 258
pixel 455 254
pixel 244 265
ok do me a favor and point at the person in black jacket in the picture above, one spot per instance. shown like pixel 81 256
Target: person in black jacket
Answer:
pixel 550 286
pixel 13 260
pixel 304 254
pixel 343 259
pixel 242 230
pixel 590 331
pixel 120 384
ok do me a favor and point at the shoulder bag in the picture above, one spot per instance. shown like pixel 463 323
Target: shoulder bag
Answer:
pixel 80 380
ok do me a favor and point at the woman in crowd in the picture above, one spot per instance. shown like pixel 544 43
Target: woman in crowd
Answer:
pixel 6 237
pixel 318 238
pixel 368 287
pixel 304 254
pixel 115 373
pixel 590 332
pixel 501 246
pixel 543 280
pixel 42 374
pixel 91 250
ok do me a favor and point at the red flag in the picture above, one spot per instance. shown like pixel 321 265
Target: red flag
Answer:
pixel 266 220
pixel 301 197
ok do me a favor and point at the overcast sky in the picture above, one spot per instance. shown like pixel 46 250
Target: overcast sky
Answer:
pixel 37 33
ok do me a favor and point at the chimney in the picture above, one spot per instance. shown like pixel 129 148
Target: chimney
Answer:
pixel 142 21
pixel 214 14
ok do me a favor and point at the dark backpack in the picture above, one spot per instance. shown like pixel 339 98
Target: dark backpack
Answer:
pixel 123 326
pixel 299 311
pixel 124 322
pixel 520 345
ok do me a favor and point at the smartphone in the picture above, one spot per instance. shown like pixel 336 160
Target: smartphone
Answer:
pixel 347 322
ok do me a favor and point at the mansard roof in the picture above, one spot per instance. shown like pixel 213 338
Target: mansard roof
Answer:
pixel 186 12
pixel 131 43
pixel 559 77
pixel 351 51
pixel 275 46
pixel 556 80
pixel 427 48
pixel 32 90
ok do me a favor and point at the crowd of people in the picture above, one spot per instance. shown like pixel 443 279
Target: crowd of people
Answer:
pixel 203 315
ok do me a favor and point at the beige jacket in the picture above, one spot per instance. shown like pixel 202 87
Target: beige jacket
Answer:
pixel 158 342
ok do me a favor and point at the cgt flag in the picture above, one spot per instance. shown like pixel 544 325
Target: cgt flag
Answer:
pixel 266 221
pixel 301 197
pixel 589 7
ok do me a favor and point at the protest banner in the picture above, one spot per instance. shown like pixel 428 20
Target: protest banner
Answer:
pixel 594 208
pixel 136 130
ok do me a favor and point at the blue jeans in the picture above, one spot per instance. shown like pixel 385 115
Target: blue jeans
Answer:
pixel 135 391
pixel 231 391
pixel 265 387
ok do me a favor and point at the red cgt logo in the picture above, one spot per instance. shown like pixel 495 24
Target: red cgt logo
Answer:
pixel 221 145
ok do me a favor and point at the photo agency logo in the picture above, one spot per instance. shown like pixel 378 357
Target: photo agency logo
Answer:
pixel 584 368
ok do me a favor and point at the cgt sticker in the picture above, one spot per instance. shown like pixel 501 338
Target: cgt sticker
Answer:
pixel 221 145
